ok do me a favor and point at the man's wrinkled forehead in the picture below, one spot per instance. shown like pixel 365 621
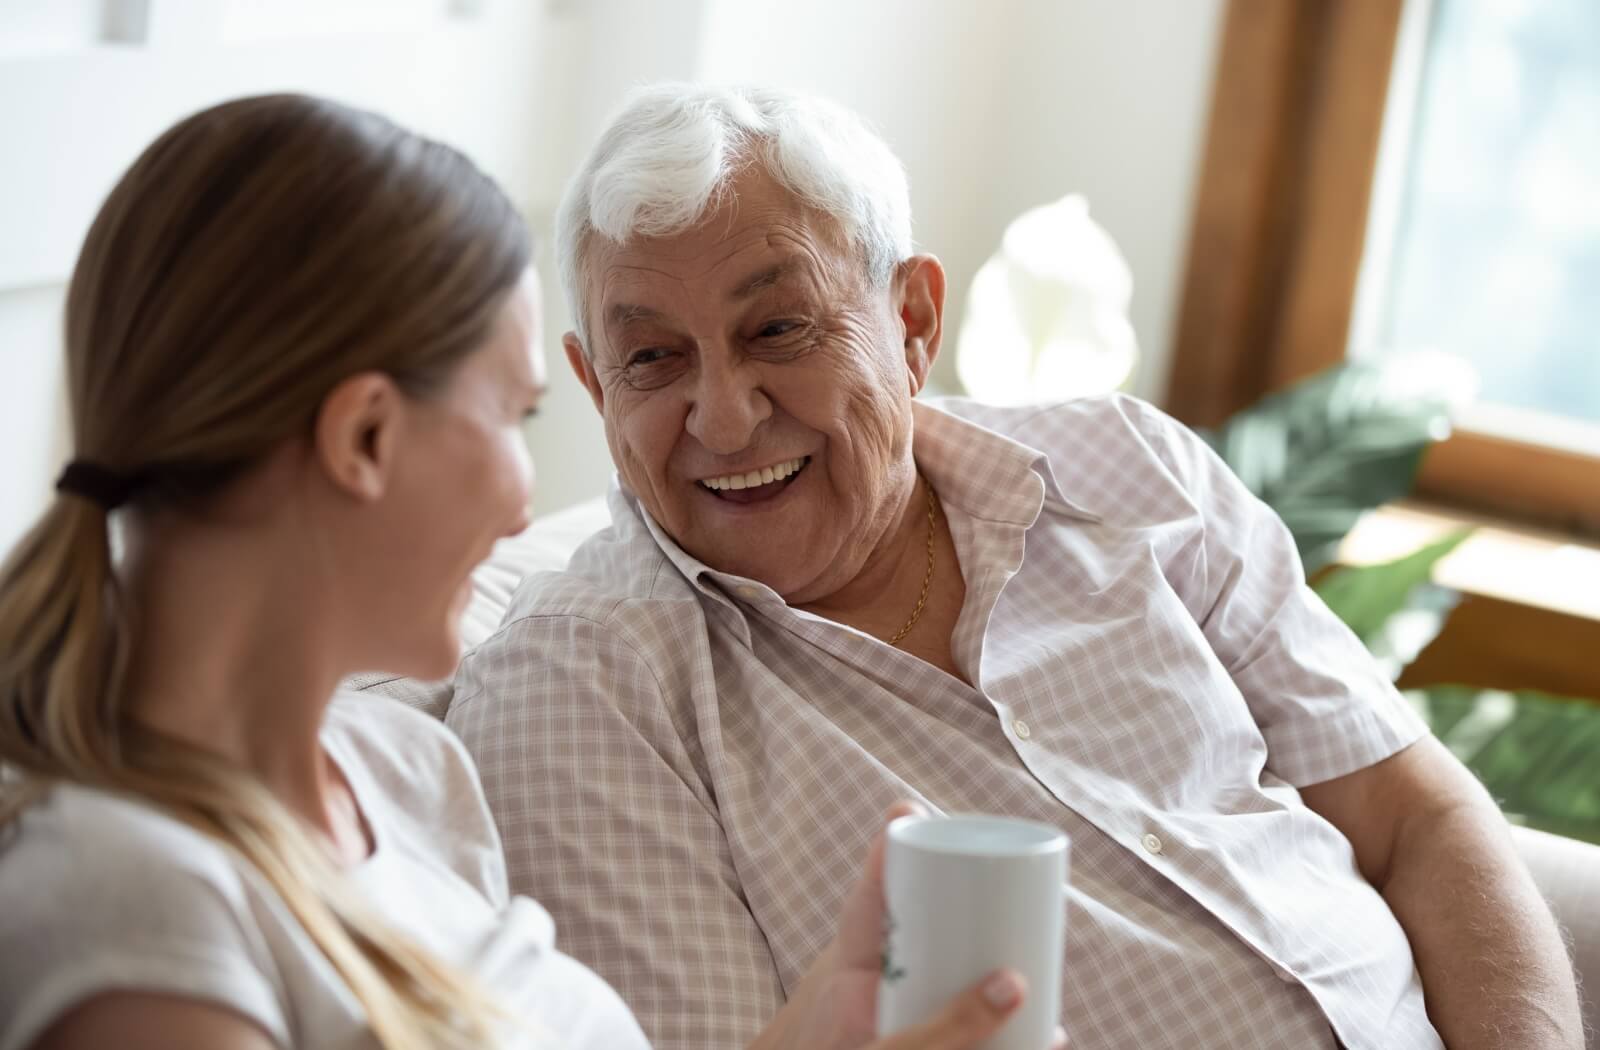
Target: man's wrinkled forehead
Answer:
pixel 648 279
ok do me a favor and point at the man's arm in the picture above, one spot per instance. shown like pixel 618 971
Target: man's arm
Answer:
pixel 1427 835
pixel 1425 832
pixel 608 825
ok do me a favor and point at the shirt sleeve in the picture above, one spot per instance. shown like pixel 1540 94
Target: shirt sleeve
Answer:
pixel 1320 700
pixel 95 907
pixel 607 823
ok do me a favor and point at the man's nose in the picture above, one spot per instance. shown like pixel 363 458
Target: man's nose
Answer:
pixel 727 404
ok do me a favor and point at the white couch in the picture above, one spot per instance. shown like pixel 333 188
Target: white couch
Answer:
pixel 1566 870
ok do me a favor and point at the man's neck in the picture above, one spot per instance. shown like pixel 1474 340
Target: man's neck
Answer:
pixel 884 595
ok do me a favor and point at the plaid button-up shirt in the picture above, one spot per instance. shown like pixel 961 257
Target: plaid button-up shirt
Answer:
pixel 686 771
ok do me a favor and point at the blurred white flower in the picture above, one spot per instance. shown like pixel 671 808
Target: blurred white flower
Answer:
pixel 1047 314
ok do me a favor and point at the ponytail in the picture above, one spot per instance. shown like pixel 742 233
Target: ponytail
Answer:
pixel 63 654
pixel 252 258
pixel 63 646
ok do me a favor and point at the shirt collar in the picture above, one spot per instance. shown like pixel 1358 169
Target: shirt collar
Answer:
pixel 982 473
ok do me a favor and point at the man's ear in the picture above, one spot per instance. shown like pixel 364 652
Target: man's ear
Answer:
pixel 356 434
pixel 583 368
pixel 921 301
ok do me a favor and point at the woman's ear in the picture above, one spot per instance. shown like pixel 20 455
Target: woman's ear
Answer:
pixel 921 301
pixel 357 430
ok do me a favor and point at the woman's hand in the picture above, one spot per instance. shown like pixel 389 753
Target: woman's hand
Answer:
pixel 835 1006
pixel 968 1019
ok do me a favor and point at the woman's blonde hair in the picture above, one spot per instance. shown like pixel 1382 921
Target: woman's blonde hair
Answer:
pixel 253 257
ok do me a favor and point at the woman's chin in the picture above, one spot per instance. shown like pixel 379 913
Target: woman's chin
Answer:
pixel 443 663
pixel 429 657
pixel 432 659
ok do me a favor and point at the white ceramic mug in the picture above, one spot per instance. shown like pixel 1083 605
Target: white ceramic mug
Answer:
pixel 967 895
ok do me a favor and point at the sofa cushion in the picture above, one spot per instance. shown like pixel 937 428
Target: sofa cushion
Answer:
pixel 1566 872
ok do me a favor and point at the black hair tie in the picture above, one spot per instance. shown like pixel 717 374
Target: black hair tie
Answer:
pixel 97 484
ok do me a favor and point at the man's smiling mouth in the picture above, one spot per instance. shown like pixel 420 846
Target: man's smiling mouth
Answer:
pixel 756 485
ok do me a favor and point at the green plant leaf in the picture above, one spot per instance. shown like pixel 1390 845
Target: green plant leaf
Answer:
pixel 1405 634
pixel 1368 597
pixel 1324 451
pixel 1533 751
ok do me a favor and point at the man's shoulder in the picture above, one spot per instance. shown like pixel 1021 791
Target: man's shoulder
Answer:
pixel 1100 417
pixel 617 570
pixel 1105 442
pixel 620 597
pixel 619 629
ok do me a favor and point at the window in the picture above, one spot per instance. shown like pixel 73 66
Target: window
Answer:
pixel 1393 176
pixel 1491 255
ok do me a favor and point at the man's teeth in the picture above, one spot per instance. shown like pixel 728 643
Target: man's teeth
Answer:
pixel 764 476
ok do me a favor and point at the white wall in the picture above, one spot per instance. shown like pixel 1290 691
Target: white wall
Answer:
pixel 999 106
pixel 86 84
pixel 993 106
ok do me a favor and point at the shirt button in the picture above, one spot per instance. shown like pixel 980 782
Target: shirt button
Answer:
pixel 749 594
pixel 1152 843
pixel 1021 729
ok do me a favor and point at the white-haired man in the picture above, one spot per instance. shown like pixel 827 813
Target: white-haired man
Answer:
pixel 819 595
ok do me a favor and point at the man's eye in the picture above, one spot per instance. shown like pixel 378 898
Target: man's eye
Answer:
pixel 777 329
pixel 647 357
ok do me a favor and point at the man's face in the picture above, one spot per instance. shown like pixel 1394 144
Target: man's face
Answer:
pixel 756 387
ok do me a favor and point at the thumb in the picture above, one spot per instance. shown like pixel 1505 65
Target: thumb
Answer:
pixel 872 877
pixel 966 1020
pixel 860 937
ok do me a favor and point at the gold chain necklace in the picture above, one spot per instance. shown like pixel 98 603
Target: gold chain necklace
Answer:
pixel 927 577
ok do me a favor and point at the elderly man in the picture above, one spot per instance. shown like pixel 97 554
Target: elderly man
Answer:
pixel 819 595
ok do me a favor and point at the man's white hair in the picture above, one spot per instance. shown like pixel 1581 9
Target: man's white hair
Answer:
pixel 667 158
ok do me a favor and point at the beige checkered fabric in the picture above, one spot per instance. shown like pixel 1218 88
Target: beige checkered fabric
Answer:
pixel 686 771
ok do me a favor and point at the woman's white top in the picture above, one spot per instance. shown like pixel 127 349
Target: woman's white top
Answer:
pixel 99 894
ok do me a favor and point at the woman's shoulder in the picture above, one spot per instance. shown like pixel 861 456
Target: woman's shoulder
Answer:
pixel 107 892
pixel 75 836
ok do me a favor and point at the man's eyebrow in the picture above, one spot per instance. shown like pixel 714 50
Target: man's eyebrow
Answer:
pixel 762 279
pixel 618 314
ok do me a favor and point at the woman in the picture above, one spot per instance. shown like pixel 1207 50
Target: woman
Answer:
pixel 300 347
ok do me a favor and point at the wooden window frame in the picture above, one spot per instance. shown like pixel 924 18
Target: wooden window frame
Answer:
pixel 1278 233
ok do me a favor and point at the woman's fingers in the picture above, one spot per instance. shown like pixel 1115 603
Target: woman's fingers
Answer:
pixel 860 936
pixel 903 808
pixel 966 1020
